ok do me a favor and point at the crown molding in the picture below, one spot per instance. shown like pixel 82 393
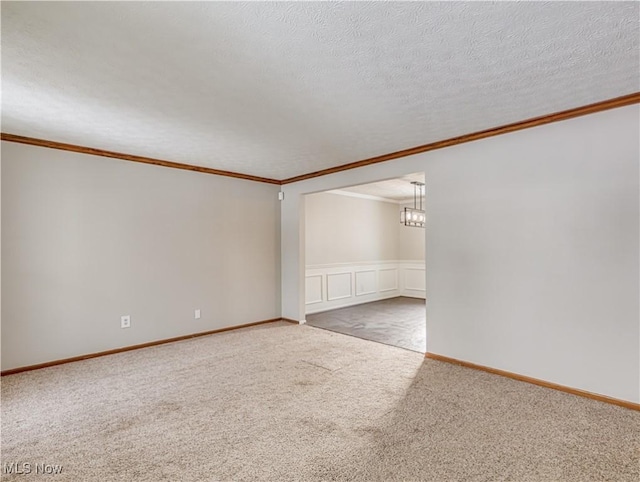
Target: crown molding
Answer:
pixel 129 157
pixel 369 197
pixel 505 129
pixel 622 101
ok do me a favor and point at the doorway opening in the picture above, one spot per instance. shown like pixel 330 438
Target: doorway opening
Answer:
pixel 365 270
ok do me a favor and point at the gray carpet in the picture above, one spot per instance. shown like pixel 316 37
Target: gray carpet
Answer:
pixel 282 402
pixel 397 321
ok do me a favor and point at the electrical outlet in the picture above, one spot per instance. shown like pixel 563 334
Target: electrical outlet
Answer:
pixel 196 314
pixel 125 321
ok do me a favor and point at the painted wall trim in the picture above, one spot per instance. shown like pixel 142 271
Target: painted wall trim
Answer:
pixel 13 371
pixel 505 129
pixel 129 157
pixel 390 262
pixel 536 381
pixel 369 281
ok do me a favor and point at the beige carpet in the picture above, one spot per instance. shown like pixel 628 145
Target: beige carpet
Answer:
pixel 283 402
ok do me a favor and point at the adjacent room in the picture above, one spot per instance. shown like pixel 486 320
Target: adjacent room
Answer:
pixel 320 241
pixel 364 257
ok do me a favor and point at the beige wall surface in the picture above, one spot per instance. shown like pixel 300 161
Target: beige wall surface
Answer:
pixel 87 239
pixel 411 240
pixel 532 249
pixel 345 229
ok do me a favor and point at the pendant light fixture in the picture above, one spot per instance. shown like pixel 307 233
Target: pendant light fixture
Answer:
pixel 415 216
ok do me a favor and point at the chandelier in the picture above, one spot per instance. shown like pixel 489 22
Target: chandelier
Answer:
pixel 415 216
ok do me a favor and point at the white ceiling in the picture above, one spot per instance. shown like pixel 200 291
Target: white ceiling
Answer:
pixel 281 89
pixel 397 190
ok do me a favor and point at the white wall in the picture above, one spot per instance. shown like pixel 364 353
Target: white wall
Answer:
pixel 345 229
pixel 532 250
pixel 87 239
pixel 410 240
pixel 354 252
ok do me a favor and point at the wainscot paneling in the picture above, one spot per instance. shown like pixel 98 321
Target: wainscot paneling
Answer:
pixel 366 282
pixel 313 289
pixel 414 282
pixel 332 286
pixel 339 286
pixel 387 279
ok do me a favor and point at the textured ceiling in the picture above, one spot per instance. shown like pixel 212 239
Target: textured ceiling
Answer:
pixel 399 189
pixel 281 89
